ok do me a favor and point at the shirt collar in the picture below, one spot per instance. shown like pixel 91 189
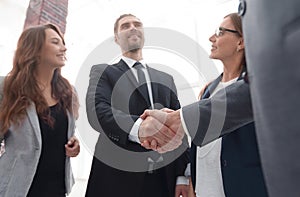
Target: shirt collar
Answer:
pixel 130 62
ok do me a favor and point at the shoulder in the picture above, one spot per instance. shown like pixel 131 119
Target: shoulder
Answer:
pixel 154 70
pixel 159 74
pixel 1 86
pixel 98 68
pixel 1 81
pixel 101 68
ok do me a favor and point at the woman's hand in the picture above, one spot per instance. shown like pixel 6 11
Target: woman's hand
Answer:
pixel 72 147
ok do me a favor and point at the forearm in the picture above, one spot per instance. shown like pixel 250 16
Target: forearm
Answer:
pixel 209 119
pixel 115 123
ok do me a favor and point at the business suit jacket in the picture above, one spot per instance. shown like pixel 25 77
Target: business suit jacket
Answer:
pixel 240 160
pixel 229 109
pixel 272 37
pixel 120 165
pixel 23 146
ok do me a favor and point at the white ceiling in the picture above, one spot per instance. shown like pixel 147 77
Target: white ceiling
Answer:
pixel 90 23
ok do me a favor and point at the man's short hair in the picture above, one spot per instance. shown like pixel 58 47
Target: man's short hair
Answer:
pixel 118 19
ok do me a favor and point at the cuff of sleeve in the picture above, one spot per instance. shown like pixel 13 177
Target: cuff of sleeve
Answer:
pixel 134 133
pixel 2 147
pixel 183 122
pixel 187 172
pixel 182 180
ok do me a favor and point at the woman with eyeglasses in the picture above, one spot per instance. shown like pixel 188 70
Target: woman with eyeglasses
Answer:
pixel 38 108
pixel 229 166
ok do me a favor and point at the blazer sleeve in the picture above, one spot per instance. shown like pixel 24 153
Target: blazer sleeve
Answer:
pixel 1 95
pixel 209 119
pixel 1 86
pixel 184 158
pixel 102 116
pixel 95 74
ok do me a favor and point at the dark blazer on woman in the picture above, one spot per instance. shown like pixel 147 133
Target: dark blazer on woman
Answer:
pixel 240 162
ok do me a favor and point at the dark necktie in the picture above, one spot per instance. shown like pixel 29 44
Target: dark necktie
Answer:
pixel 142 81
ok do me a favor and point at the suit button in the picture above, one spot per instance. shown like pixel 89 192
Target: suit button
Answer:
pixel 224 162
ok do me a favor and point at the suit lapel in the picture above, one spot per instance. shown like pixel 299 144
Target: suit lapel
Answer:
pixel 34 121
pixel 154 88
pixel 125 69
pixel 211 87
pixel 215 83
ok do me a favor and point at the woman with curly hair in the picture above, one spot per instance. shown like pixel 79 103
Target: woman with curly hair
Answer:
pixel 38 108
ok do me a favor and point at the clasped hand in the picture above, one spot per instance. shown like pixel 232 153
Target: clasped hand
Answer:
pixel 161 130
pixel 72 147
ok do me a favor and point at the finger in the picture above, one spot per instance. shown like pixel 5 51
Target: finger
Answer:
pixel 72 141
pixel 153 144
pixel 145 114
pixel 163 129
pixel 170 146
pixel 68 151
pixel 75 147
pixel 178 129
pixel 156 130
pixel 162 140
pixel 176 139
pixel 146 144
pixel 76 142
pixel 185 194
pixel 161 133
pixel 72 151
pixel 158 115
pixel 69 148
pixel 180 134
pixel 166 135
pixel 167 110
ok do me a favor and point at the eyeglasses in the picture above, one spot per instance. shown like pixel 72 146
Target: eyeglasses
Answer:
pixel 220 31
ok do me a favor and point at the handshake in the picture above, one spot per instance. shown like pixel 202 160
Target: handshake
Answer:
pixel 161 130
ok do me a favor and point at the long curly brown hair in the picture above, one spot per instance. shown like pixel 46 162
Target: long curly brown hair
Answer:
pixel 21 86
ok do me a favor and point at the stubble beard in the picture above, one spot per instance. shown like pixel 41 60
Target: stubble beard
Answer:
pixel 134 47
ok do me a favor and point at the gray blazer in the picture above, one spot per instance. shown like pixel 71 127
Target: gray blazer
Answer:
pixel 272 37
pixel 22 152
pixel 209 119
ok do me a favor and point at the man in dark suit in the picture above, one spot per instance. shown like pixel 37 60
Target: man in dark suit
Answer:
pixel 118 94
pixel 272 36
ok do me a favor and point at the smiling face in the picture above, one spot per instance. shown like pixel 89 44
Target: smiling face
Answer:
pixel 53 50
pixel 129 34
pixel 227 44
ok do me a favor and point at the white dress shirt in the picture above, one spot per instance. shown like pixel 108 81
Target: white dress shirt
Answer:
pixel 133 135
pixel 209 181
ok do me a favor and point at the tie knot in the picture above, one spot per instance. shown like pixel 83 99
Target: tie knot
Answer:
pixel 137 65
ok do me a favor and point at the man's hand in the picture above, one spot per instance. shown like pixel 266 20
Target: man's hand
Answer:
pixel 72 147
pixel 181 190
pixel 154 132
pixel 166 125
